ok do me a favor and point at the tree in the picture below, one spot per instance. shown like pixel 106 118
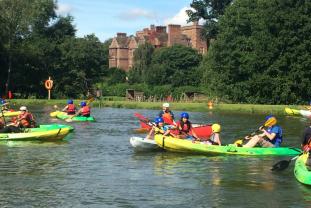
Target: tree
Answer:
pixel 81 65
pixel 210 11
pixel 259 58
pixel 142 61
pixel 18 18
pixel 174 65
pixel 116 76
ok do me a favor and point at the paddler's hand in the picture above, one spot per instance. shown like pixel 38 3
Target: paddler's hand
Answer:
pixel 261 128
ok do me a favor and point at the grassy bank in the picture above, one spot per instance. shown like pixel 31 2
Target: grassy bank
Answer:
pixel 200 107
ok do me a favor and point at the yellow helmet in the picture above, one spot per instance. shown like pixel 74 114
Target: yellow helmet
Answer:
pixel 216 128
pixel 270 121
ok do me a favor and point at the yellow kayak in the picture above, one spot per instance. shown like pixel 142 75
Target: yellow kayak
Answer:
pixel 10 113
pixel 296 112
pixel 182 145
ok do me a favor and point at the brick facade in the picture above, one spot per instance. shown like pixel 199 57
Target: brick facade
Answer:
pixel 122 47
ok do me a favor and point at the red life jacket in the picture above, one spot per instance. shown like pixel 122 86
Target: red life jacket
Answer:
pixel 71 109
pixel 184 127
pixel 25 120
pixel 167 117
pixel 86 111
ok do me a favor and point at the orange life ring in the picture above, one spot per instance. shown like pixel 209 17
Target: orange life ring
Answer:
pixel 48 84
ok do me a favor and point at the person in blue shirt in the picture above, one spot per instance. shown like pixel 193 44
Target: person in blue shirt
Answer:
pixel 158 128
pixel 271 136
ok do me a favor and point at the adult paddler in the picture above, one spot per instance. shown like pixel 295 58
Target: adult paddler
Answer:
pixel 167 114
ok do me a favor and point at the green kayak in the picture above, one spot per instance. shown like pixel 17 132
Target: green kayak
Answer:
pixel 64 116
pixel 302 173
pixel 50 132
pixel 182 145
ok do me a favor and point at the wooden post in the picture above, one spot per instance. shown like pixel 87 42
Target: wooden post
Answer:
pixel 49 85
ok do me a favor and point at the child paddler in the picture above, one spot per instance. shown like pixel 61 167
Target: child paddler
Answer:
pixel 214 139
pixel 85 110
pixel 70 108
pixel 185 129
pixel 159 128
pixel 270 137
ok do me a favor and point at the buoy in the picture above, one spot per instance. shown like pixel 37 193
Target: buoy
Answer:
pixel 210 105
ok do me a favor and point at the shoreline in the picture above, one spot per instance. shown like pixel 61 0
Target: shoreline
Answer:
pixel 185 106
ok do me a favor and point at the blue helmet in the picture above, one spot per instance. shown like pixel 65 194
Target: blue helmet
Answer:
pixel 70 101
pixel 2 102
pixel 159 120
pixel 268 117
pixel 184 115
pixel 83 104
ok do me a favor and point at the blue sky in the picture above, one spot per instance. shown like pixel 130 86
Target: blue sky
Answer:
pixel 105 18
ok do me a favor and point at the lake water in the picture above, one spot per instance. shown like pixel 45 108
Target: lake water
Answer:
pixel 97 167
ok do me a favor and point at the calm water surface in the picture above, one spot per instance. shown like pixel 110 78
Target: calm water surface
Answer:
pixel 97 167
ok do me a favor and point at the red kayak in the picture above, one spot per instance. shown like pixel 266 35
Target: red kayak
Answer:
pixel 201 130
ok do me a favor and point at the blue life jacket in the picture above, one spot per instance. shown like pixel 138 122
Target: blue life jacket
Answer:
pixel 277 130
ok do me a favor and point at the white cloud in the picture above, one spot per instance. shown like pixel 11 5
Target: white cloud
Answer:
pixel 180 18
pixel 136 13
pixel 63 9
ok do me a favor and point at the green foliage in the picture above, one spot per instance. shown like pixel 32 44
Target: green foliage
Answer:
pixel 210 11
pixel 142 61
pixel 259 57
pixel 176 65
pixel 35 44
pixel 116 76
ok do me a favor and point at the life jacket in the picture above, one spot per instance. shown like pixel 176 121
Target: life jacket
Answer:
pixel 168 117
pixel 307 146
pixel 184 128
pixel 26 120
pixel 278 139
pixel 86 111
pixel 71 109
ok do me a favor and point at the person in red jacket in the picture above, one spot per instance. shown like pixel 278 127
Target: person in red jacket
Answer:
pixel 24 120
pixel 70 108
pixel 85 110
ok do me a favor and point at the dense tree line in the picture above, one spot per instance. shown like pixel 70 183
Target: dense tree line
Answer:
pixel 36 43
pixel 261 53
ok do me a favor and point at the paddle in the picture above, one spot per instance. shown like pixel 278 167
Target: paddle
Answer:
pixel 2 115
pixel 240 141
pixel 143 119
pixel 88 102
pixel 283 164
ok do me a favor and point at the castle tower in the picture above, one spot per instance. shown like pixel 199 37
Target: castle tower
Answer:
pixel 118 52
pixel 174 35
pixel 193 32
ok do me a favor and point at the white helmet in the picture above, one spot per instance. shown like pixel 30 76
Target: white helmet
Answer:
pixel 166 105
pixel 23 108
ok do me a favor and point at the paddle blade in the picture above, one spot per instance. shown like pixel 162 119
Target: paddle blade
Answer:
pixel 281 165
pixel 138 115
pixel 90 100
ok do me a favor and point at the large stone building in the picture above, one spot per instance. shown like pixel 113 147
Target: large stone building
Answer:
pixel 121 50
